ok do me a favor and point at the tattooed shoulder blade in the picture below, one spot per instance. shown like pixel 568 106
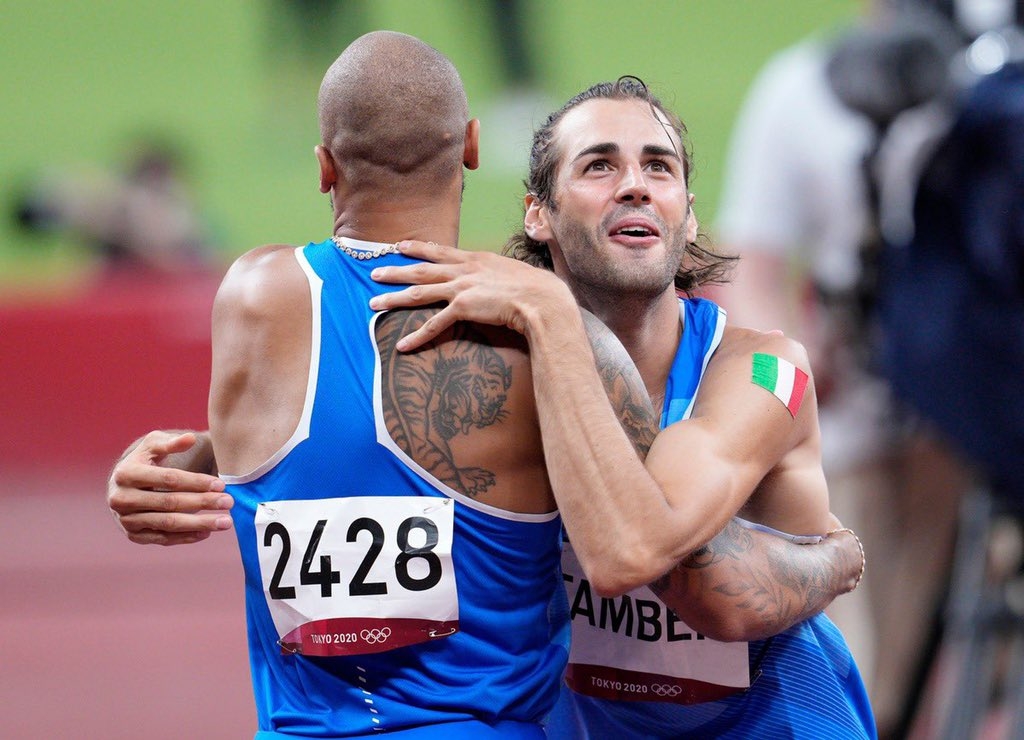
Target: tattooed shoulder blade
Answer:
pixel 452 386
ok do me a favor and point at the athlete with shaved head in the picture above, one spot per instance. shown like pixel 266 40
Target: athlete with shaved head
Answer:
pixel 395 522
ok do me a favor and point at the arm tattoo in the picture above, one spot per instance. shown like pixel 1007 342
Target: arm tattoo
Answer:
pixel 777 582
pixel 446 389
pixel 623 384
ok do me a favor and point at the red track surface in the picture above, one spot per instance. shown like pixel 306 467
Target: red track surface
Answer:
pixel 102 638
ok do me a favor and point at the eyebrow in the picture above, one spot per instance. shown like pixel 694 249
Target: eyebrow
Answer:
pixel 660 151
pixel 606 148
pixel 650 150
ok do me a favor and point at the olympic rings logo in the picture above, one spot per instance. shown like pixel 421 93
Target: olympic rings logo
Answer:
pixel 373 636
pixel 667 690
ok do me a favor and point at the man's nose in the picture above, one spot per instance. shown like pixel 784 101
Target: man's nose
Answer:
pixel 633 187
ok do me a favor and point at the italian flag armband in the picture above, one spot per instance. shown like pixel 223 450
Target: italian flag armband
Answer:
pixel 785 380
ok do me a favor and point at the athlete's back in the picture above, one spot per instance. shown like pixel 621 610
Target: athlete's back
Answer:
pixel 393 513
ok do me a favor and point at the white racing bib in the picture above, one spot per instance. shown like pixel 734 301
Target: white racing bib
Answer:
pixel 634 648
pixel 357 575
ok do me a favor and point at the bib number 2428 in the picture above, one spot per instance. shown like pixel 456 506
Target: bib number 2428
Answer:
pixel 396 550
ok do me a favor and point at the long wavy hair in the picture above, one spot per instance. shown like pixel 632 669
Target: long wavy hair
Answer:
pixel 701 265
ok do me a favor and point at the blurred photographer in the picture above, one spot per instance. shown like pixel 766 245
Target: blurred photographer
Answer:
pixel 827 153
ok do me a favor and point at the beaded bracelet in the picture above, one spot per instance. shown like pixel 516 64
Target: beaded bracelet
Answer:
pixel 863 558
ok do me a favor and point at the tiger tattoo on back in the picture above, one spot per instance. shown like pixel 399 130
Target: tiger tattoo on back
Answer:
pixel 430 397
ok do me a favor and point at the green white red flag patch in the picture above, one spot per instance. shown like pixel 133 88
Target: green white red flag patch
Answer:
pixel 784 379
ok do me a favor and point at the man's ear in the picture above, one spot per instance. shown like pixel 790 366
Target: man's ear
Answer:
pixel 691 220
pixel 471 150
pixel 535 219
pixel 328 172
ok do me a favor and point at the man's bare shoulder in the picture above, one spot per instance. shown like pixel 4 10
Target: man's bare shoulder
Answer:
pixel 261 263
pixel 740 344
pixel 462 407
pixel 262 281
pixel 761 378
pixel 261 356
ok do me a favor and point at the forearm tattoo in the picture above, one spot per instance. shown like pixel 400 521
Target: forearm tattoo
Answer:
pixel 623 384
pixel 778 582
pixel 446 389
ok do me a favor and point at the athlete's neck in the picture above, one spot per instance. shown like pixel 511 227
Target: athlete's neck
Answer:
pixel 389 221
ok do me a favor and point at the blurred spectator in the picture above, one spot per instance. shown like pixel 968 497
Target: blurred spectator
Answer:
pixel 520 104
pixel 141 218
pixel 799 207
pixel 951 314
pixel 305 31
pixel 308 31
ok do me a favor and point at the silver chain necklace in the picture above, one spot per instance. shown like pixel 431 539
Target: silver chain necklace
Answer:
pixel 364 254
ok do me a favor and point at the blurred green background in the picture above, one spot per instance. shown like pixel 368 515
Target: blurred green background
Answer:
pixel 111 637
pixel 232 84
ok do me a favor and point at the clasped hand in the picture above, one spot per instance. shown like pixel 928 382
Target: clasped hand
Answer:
pixel 161 505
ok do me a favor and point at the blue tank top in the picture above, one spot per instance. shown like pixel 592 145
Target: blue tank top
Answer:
pixel 804 682
pixel 489 668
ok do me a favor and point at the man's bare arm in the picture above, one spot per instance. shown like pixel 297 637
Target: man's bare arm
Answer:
pixel 745 584
pixel 164 490
pixel 748 585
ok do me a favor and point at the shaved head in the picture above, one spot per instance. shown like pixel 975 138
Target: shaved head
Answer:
pixel 392 108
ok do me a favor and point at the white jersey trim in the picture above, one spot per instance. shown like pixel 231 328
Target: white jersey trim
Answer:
pixel 302 428
pixel 799 539
pixel 715 341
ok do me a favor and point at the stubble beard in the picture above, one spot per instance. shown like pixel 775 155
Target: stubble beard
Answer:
pixel 596 272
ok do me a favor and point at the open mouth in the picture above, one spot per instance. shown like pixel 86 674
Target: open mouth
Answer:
pixel 634 229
